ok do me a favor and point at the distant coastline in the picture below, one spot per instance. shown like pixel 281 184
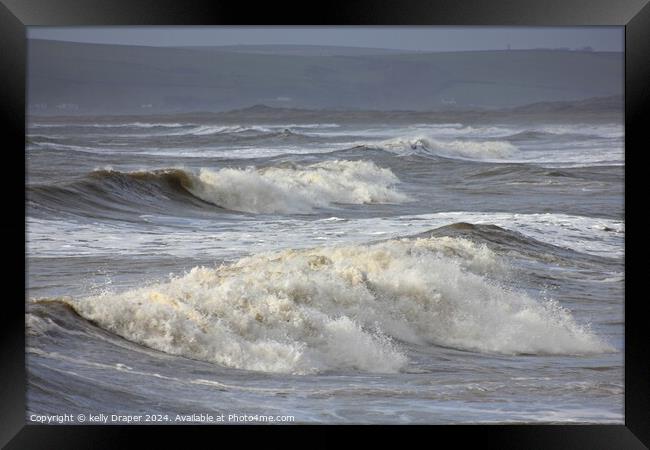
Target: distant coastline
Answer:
pixel 66 78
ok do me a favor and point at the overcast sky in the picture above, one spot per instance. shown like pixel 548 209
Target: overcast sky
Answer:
pixel 404 38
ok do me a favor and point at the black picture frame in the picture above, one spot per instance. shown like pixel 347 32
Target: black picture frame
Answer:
pixel 16 15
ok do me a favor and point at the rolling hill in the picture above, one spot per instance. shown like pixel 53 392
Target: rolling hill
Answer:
pixel 77 78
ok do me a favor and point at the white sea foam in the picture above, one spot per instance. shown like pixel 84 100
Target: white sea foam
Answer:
pixel 202 130
pixel 608 130
pixel 145 125
pixel 61 238
pixel 337 308
pixel 295 189
pixel 482 150
pixel 564 154
pixel 110 125
pixel 482 143
pixel 310 125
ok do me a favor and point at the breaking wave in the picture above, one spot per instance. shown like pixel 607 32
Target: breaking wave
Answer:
pixel 289 188
pixel 355 307
pixel 295 188
pixel 463 149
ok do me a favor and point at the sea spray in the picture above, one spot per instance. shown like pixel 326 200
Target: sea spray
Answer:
pixel 297 188
pixel 341 308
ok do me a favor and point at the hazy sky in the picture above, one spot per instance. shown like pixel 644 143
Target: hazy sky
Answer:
pixel 404 38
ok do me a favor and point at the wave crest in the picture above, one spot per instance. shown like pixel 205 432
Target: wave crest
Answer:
pixel 465 149
pixel 338 308
pixel 295 188
pixel 289 188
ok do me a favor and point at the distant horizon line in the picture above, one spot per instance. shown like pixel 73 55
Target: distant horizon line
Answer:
pixel 397 50
pixel 263 106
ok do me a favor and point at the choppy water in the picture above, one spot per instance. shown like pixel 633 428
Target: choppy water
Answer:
pixel 336 272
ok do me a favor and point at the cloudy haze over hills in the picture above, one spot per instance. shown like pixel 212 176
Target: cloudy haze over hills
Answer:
pixel 82 78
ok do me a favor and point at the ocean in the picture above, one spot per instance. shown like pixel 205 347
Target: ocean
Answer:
pixel 332 271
